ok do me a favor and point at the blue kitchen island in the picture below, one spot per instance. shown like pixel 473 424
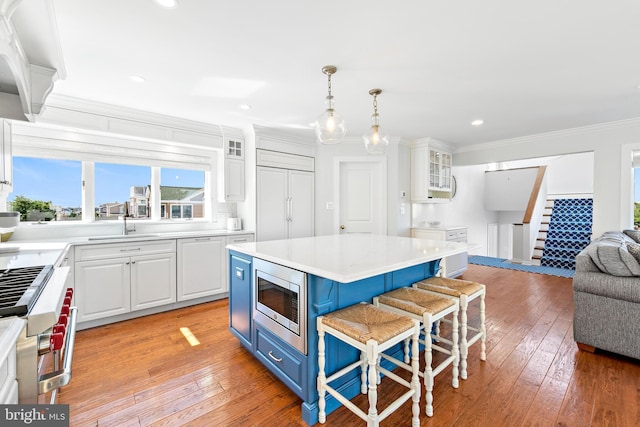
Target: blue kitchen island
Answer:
pixel 278 288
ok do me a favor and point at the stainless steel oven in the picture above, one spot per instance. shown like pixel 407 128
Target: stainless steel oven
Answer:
pixel 45 346
pixel 280 302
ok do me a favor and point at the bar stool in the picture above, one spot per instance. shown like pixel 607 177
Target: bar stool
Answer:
pixel 427 308
pixel 463 291
pixel 372 331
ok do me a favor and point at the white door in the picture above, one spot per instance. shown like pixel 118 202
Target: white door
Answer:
pixel 271 189
pixel 363 193
pixel 301 202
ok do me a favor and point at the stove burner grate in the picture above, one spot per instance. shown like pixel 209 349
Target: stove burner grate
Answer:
pixel 20 288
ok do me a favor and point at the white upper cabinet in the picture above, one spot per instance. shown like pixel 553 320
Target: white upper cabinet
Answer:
pixel 232 188
pixel 430 173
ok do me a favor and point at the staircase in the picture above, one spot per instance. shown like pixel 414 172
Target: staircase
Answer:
pixel 565 231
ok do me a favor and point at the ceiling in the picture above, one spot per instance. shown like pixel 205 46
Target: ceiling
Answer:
pixel 523 67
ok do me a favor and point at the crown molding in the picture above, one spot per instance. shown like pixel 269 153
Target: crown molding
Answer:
pixel 432 142
pixel 67 104
pixel 532 139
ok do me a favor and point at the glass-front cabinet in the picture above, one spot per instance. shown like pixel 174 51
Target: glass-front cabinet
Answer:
pixel 431 180
pixel 439 170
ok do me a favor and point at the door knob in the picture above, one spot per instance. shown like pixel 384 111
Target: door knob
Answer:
pixel 342 227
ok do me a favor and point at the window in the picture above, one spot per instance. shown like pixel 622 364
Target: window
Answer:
pixel 181 211
pixel 121 190
pixel 113 173
pixel 46 189
pixel 183 191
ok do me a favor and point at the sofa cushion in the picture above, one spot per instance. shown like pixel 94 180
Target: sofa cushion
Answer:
pixel 634 234
pixel 634 249
pixel 609 253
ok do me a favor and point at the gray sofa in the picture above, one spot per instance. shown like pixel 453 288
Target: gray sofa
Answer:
pixel 606 294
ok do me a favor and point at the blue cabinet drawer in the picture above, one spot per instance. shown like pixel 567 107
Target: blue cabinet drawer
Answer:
pixel 286 363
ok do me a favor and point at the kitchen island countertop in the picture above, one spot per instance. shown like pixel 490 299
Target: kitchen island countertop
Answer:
pixel 347 258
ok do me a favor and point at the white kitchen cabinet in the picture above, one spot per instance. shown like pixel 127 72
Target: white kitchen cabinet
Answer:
pixel 431 179
pixel 113 279
pixel 231 187
pixel 285 203
pixel 239 238
pixel 10 330
pixel 233 181
pixel 153 280
pixel 201 267
pixel 454 265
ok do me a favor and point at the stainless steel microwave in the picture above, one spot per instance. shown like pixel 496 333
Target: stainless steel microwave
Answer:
pixel 280 302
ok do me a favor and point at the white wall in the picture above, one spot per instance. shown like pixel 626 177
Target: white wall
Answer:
pixel 571 174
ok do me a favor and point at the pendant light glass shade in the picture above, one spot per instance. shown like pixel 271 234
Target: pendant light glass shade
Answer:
pixel 376 140
pixel 330 126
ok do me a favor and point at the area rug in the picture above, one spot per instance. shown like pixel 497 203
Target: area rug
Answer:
pixel 503 263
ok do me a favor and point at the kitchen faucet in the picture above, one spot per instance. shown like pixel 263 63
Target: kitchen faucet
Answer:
pixel 125 229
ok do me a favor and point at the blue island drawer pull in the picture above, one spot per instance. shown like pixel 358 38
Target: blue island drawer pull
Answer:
pixel 274 358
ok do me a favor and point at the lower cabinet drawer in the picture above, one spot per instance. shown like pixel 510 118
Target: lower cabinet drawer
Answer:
pixel 285 363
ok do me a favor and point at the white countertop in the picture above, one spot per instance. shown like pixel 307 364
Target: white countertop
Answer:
pixel 441 227
pixel 349 257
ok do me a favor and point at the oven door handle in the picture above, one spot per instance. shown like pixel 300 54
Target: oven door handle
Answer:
pixel 60 378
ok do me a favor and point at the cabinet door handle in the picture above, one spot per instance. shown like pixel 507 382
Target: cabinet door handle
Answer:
pixel 240 240
pixel 203 239
pixel 290 208
pixel 278 360
pixel 130 250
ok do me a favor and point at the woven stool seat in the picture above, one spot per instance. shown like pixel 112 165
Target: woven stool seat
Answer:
pixel 364 322
pixel 453 287
pixel 464 291
pixel 414 301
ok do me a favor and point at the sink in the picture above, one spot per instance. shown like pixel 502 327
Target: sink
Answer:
pixel 123 237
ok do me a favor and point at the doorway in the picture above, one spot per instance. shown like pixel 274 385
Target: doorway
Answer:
pixel 361 191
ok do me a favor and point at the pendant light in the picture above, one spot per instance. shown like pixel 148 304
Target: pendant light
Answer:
pixel 330 126
pixel 375 141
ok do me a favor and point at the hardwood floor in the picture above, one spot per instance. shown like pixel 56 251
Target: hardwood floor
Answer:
pixel 144 372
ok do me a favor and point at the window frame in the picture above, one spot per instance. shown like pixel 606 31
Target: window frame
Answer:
pixel 91 147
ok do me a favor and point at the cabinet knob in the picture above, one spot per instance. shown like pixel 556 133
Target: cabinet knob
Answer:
pixel 342 227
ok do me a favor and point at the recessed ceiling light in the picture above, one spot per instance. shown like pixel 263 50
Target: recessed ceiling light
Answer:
pixel 169 4
pixel 245 107
pixel 137 79
pixel 477 122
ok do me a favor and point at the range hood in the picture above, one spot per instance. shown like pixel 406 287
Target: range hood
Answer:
pixel 30 57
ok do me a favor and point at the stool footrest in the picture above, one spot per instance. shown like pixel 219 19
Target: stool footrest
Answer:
pixel 343 371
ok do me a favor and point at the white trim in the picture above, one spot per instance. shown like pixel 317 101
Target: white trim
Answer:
pixel 627 184
pixel 76 144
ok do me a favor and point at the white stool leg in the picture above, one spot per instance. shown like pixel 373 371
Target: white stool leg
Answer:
pixel 454 348
pixel 415 378
pixel 483 330
pixel 322 379
pixel 428 370
pixel 464 345
pixel 406 350
pixel 363 373
pixel 372 356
